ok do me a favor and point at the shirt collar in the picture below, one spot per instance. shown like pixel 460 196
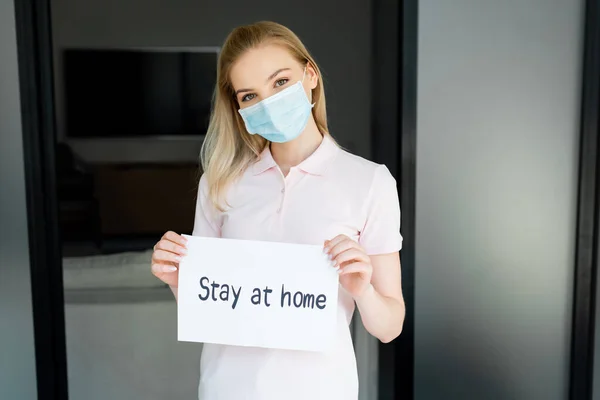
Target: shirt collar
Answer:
pixel 315 164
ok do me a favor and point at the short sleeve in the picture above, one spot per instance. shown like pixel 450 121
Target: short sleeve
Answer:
pixel 381 232
pixel 207 221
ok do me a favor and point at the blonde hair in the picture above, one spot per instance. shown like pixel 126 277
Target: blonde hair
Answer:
pixel 228 148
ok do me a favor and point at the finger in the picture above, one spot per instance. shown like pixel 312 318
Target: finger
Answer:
pixel 176 238
pixel 338 239
pixel 355 268
pixel 171 246
pixel 343 246
pixel 163 268
pixel 352 254
pixel 161 256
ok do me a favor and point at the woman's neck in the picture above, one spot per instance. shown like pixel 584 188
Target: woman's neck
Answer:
pixel 290 154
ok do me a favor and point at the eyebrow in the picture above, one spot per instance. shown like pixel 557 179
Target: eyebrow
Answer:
pixel 273 75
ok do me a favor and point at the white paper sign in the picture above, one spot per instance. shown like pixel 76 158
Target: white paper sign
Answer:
pixel 259 294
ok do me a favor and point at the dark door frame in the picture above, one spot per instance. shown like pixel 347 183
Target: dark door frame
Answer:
pixel 394 133
pixel 588 216
pixel 34 42
pixel 394 144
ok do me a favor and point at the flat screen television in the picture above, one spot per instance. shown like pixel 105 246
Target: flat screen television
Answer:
pixel 136 93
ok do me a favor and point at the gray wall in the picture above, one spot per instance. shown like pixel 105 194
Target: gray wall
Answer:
pixel 17 360
pixel 498 101
pixel 339 39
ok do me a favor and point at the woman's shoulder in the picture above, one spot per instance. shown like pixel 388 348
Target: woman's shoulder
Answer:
pixel 203 184
pixel 362 170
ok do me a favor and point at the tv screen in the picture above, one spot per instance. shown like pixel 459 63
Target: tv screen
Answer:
pixel 137 93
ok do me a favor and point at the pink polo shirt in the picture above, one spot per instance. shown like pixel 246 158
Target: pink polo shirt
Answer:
pixel 332 192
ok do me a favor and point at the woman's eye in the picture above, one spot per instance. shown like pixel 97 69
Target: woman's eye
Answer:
pixel 281 82
pixel 248 97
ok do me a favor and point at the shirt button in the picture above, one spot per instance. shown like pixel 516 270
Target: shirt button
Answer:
pixel 278 210
pixel 283 190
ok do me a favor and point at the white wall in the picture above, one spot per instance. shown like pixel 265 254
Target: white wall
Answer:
pixel 17 354
pixel 338 36
pixel 498 124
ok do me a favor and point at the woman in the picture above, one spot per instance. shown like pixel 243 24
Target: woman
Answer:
pixel 272 172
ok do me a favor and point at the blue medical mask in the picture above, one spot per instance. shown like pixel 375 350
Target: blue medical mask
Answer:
pixel 281 117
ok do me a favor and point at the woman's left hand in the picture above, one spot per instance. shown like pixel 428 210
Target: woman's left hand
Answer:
pixel 354 264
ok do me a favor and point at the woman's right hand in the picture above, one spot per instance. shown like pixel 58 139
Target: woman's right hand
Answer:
pixel 166 256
